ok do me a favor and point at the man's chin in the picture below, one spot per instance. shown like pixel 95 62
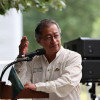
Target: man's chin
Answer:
pixel 54 49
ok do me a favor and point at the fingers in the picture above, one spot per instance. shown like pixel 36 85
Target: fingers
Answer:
pixel 26 85
pixel 24 39
pixel 30 86
pixel 23 47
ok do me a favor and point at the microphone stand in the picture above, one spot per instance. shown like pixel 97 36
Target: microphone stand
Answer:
pixel 19 60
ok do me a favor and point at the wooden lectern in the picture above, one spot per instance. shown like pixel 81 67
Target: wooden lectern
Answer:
pixel 6 93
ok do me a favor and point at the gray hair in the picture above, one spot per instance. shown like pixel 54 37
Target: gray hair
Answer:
pixel 45 23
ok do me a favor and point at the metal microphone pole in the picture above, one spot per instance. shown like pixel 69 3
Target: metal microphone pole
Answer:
pixel 19 60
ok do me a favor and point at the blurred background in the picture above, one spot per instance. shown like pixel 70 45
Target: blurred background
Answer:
pixel 79 18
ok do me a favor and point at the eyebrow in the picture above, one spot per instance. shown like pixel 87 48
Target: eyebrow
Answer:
pixel 53 33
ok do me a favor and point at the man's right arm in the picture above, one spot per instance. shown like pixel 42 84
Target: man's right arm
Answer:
pixel 21 67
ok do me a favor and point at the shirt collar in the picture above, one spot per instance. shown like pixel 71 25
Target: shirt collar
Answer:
pixel 59 52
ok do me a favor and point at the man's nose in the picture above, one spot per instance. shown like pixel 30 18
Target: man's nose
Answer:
pixel 53 39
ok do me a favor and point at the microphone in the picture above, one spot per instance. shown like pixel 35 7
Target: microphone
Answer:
pixel 32 54
pixel 28 55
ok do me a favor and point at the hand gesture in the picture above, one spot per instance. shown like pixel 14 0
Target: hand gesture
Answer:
pixel 23 47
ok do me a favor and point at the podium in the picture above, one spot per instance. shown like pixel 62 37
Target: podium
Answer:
pixel 6 93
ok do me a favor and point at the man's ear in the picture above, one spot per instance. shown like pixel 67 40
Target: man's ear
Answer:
pixel 38 40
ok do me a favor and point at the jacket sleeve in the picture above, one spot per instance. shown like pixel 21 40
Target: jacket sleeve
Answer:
pixel 69 80
pixel 23 70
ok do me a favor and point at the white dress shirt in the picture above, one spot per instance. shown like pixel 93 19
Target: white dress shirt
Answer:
pixel 60 78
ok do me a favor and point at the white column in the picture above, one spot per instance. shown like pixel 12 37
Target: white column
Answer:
pixel 10 34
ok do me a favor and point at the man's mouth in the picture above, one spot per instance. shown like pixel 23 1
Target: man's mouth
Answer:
pixel 55 45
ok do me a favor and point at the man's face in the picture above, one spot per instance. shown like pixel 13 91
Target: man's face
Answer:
pixel 50 39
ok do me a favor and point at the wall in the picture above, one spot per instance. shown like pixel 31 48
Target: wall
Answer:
pixel 10 34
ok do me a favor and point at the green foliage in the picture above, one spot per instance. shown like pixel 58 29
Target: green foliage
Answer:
pixel 96 28
pixel 23 5
pixel 76 20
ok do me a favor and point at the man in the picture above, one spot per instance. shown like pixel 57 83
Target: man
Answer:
pixel 58 72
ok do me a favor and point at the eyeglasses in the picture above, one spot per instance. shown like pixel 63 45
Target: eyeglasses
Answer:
pixel 50 38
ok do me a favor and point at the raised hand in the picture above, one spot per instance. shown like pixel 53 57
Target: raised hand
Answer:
pixel 23 47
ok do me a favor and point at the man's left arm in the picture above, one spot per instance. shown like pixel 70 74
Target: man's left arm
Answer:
pixel 63 85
